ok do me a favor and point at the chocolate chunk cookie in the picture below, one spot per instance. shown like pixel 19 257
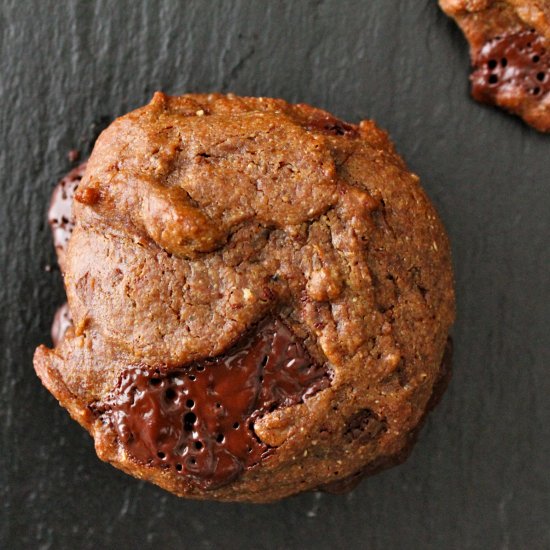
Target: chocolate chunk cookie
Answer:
pixel 510 54
pixel 260 294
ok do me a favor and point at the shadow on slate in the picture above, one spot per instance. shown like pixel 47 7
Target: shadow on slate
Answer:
pixel 478 477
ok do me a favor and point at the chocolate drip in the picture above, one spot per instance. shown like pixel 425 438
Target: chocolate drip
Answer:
pixel 60 212
pixel 199 420
pixel 518 62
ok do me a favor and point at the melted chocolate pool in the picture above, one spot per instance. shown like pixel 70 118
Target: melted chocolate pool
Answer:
pixel 60 213
pixel 199 420
pixel 515 62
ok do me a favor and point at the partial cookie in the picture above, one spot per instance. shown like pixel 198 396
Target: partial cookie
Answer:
pixel 510 54
pixel 261 296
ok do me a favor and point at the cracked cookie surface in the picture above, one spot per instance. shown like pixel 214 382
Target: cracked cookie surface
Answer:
pixel 200 221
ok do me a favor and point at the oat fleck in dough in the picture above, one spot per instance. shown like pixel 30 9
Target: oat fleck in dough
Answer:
pixel 260 294
pixel 510 54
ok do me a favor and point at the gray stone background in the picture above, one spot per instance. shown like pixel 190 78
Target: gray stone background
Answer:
pixel 479 476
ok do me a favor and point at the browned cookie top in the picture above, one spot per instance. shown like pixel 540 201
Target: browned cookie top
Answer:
pixel 510 53
pixel 249 280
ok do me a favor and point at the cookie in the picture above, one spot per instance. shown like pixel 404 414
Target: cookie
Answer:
pixel 261 298
pixel 510 54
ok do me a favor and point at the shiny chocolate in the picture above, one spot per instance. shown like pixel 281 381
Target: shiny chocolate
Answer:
pixel 198 420
pixel 517 62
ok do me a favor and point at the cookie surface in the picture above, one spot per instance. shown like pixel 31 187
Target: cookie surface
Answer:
pixel 510 54
pixel 261 297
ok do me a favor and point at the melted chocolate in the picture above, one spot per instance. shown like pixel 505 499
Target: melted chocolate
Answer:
pixel 518 61
pixel 199 420
pixel 60 213
pixel 61 322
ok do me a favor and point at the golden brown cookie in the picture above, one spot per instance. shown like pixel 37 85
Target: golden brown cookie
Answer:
pixel 261 296
pixel 510 54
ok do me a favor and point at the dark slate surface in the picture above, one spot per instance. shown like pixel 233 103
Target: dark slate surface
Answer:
pixel 479 476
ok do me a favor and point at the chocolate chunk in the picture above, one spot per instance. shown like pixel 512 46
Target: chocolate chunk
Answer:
pixel 363 426
pixel 199 420
pixel 60 211
pixel 331 125
pixel 514 63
